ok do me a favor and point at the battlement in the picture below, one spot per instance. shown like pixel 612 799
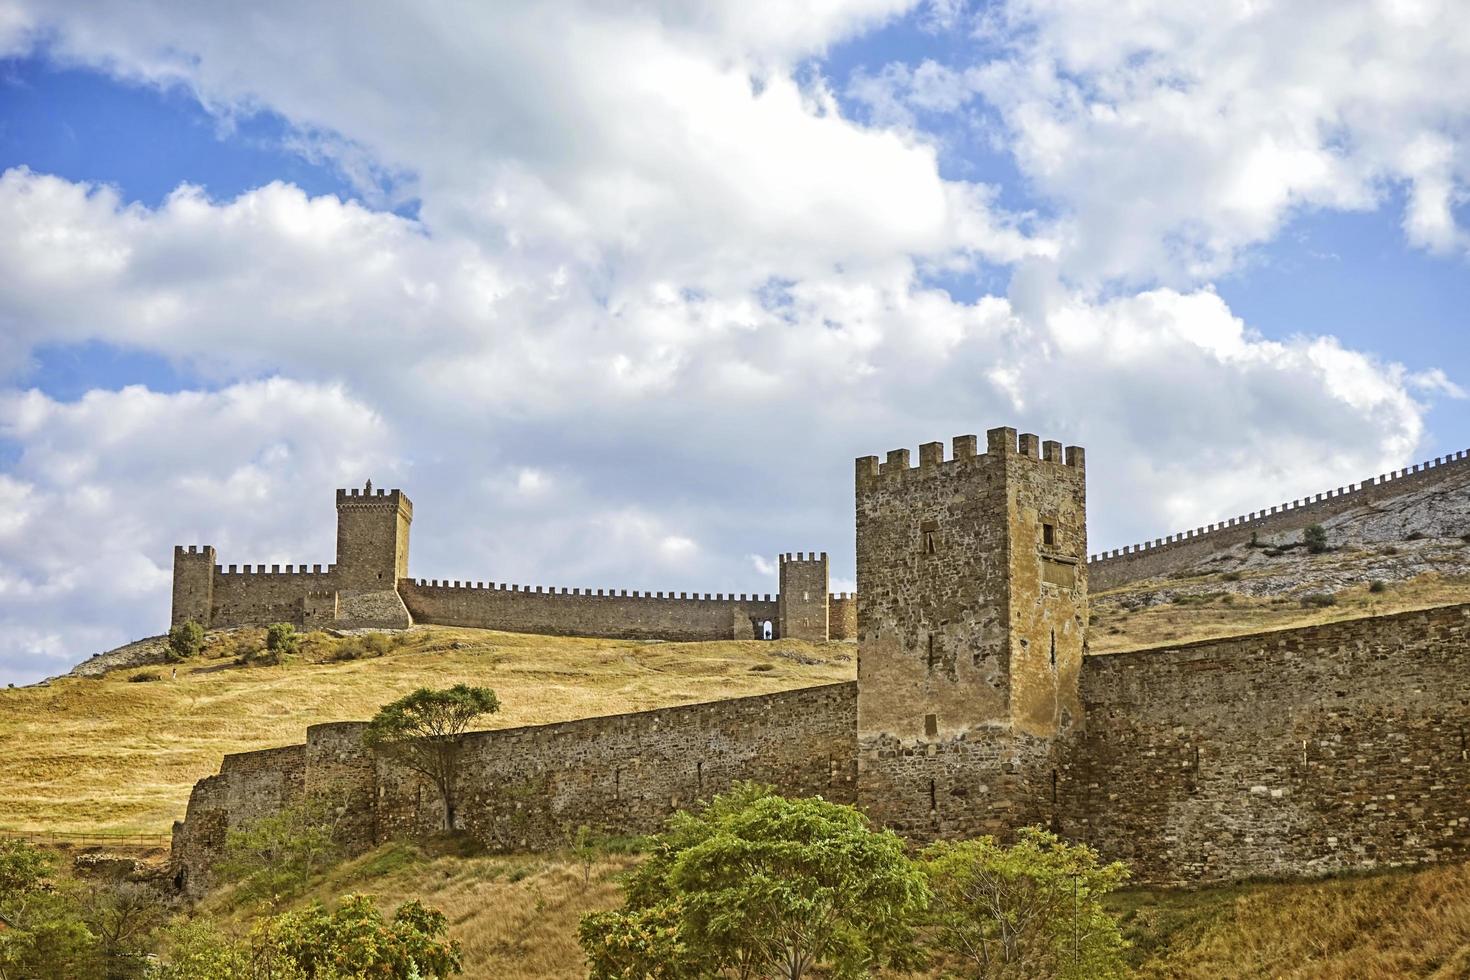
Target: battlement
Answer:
pixel 999 444
pixel 588 593
pixel 195 552
pixel 1286 516
pixel 276 571
pixel 802 556
pixel 368 499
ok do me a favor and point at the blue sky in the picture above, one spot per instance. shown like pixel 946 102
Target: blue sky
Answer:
pixel 523 265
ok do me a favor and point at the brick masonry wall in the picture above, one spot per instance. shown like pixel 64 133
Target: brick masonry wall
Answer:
pixel 259 598
pixel 582 612
pixel 1295 752
pixel 1157 557
pixel 842 616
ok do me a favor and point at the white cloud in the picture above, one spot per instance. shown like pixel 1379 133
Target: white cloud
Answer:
pixel 660 294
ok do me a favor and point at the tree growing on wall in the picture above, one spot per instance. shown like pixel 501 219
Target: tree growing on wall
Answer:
pixel 1033 909
pixel 757 885
pixel 425 732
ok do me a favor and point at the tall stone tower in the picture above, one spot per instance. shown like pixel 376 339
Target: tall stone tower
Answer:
pixel 193 585
pixel 972 610
pixel 801 608
pixel 372 539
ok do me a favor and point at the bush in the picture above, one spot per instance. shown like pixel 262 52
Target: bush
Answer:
pixel 185 640
pixel 1315 538
pixel 281 641
pixel 1230 577
pixel 365 645
pixel 1318 600
pixel 1415 536
pixel 1465 538
pixel 279 854
pixel 145 676
pixel 1377 585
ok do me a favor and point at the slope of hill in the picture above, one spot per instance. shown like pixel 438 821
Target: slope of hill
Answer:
pixel 112 754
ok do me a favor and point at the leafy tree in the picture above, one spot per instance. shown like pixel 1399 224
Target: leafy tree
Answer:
pixel 278 854
pixel 758 885
pixel 353 941
pixel 1315 538
pixel 122 916
pixel 197 950
pixel 46 936
pixel 184 641
pixel 1030 910
pixel 425 732
pixel 281 641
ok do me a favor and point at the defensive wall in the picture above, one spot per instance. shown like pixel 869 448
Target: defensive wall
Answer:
pixel 1161 555
pixel 368 586
pixel 531 788
pixel 977 710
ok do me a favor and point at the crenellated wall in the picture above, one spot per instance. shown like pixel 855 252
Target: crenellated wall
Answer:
pixel 588 612
pixel 1157 557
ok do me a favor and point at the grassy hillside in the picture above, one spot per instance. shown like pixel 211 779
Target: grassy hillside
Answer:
pixel 83 755
pixel 517 916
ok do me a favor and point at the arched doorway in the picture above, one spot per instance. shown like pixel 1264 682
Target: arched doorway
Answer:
pixel 767 633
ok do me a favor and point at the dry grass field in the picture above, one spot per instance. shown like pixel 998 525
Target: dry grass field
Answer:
pixel 516 918
pixel 110 754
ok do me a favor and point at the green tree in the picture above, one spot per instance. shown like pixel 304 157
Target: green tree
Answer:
pixel 122 917
pixel 758 885
pixel 45 935
pixel 184 641
pixel 353 941
pixel 278 854
pixel 1315 538
pixel 196 949
pixel 425 732
pixel 281 641
pixel 1030 910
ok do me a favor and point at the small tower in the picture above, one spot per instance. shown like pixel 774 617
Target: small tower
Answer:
pixel 372 539
pixel 193 585
pixel 972 605
pixel 801 608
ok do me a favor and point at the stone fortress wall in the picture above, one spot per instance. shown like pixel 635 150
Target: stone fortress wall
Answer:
pixel 977 710
pixel 368 586
pixel 1151 558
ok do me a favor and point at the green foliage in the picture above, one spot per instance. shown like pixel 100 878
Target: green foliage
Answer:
pixel 281 640
pixel 424 731
pixel 353 941
pixel 1030 910
pixel 46 937
pixel 185 640
pixel 759 885
pixel 365 645
pixel 145 677
pixel 1314 536
pixel 122 917
pixel 279 854
pixel 1377 585
pixel 1318 600
pixel 1230 577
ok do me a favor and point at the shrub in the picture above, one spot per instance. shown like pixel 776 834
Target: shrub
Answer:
pixel 1465 538
pixel 1230 577
pixel 1318 600
pixel 278 854
pixel 1390 551
pixel 1378 585
pixel 185 640
pixel 1315 538
pixel 145 676
pixel 1415 536
pixel 281 640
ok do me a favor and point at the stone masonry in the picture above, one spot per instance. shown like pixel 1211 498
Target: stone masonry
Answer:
pixel 976 710
pixel 368 586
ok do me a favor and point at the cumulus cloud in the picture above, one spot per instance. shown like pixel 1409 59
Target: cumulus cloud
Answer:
pixel 659 292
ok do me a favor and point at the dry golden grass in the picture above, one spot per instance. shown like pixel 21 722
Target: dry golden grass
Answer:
pixel 1116 629
pixel 88 755
pixel 1380 927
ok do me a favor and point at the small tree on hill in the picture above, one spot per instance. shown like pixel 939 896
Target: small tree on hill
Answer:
pixel 281 641
pixel 757 885
pixel 1030 910
pixel 185 640
pixel 1315 538
pixel 425 731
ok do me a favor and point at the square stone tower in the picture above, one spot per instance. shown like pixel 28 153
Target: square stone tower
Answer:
pixel 972 611
pixel 801 608
pixel 193 585
pixel 372 539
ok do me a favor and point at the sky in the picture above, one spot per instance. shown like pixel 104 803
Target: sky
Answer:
pixel 618 291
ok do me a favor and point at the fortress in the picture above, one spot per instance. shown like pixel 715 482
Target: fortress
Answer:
pixel 369 587
pixel 976 709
